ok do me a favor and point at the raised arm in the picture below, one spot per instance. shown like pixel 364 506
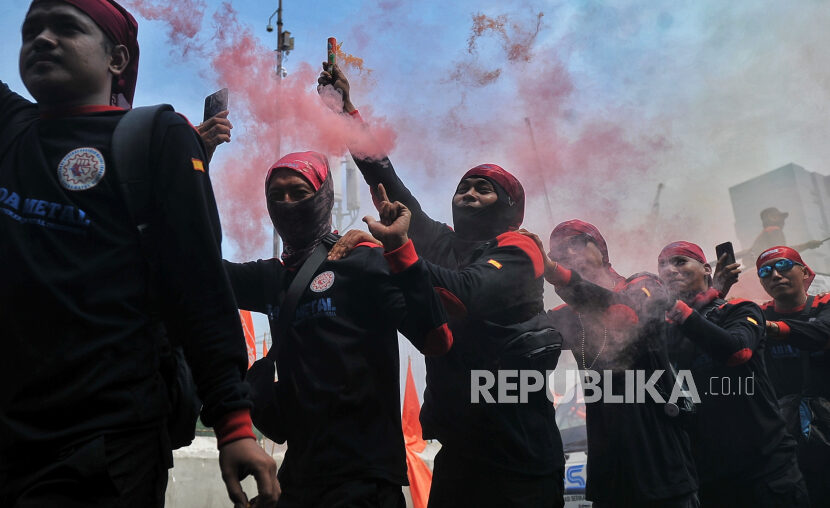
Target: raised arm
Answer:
pixel 407 295
pixel 14 110
pixel 332 84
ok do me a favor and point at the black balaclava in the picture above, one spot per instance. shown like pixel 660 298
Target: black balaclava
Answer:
pixel 302 225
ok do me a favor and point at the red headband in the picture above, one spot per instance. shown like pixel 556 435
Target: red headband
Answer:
pixel 507 182
pixel 577 227
pixel 313 166
pixel 780 252
pixel 121 27
pixel 681 248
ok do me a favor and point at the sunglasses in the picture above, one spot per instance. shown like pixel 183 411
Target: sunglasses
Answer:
pixel 781 266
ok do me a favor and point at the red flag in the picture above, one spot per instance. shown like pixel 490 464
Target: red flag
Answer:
pixel 250 338
pixel 264 348
pixel 420 476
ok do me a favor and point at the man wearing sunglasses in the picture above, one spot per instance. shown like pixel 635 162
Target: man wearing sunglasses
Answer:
pixel 798 361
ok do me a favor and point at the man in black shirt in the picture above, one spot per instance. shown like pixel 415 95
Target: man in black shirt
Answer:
pixel 82 403
pixel 743 453
pixel 489 276
pixel 338 390
pixel 638 456
pixel 798 360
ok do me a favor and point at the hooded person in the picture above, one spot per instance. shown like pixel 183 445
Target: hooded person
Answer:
pixel 798 361
pixel 339 387
pixel 638 455
pixel 95 373
pixel 570 245
pixel 743 453
pixel 490 280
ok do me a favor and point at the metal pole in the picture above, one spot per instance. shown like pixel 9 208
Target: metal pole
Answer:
pixel 541 169
pixel 277 246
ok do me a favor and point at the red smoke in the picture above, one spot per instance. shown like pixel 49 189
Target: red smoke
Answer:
pixel 270 117
pixel 184 17
pixel 587 160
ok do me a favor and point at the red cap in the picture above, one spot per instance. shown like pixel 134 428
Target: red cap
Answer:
pixel 784 252
pixel 576 227
pixel 688 249
pixel 508 182
pixel 121 27
pixel 313 166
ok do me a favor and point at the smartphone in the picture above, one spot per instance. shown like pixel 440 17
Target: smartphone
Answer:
pixel 727 248
pixel 331 51
pixel 215 103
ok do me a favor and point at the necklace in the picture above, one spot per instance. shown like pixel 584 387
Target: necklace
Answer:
pixel 582 336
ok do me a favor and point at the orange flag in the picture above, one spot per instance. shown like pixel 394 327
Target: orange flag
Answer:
pixel 250 338
pixel 420 476
pixel 264 348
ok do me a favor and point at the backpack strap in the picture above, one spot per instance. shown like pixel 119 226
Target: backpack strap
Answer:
pixel 131 142
pixel 130 150
pixel 296 289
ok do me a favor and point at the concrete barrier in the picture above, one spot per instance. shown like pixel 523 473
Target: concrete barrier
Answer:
pixel 195 481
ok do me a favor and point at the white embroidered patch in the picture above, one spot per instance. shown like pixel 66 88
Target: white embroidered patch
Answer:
pixel 81 169
pixel 322 282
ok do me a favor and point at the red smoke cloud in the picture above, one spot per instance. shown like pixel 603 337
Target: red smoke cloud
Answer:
pixel 274 117
pixel 587 161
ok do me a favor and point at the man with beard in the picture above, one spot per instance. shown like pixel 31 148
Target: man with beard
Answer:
pixel 490 278
pixel 638 455
pixel 82 400
pixel 743 453
pixel 798 361
pixel 339 389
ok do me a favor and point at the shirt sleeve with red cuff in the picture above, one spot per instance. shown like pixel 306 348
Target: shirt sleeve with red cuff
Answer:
pixel 808 329
pixel 733 338
pixel 424 321
pixel 679 313
pixel 401 258
pixel 559 276
pixel 233 426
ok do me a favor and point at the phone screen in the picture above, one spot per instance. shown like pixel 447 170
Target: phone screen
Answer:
pixel 215 103
pixel 727 248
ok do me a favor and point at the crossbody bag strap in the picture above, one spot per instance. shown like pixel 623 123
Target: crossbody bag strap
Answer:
pixel 292 296
pixel 805 356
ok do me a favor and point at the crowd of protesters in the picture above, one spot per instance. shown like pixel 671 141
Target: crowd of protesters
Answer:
pixel 91 301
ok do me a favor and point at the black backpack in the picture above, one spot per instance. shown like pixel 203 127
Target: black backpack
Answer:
pixel 131 147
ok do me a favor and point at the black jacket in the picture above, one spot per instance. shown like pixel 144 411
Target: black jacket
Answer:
pixel 636 453
pixel 738 428
pixel 804 330
pixel 338 364
pixel 498 281
pixel 78 360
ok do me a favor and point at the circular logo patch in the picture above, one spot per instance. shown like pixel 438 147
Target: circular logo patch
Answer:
pixel 322 282
pixel 81 169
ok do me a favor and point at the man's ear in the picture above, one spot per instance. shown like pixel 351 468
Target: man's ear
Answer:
pixel 119 59
pixel 707 268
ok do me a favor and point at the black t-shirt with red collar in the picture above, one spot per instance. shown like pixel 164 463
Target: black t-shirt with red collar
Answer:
pixel 338 364
pixel 77 359
pixel 738 432
pixel 802 330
